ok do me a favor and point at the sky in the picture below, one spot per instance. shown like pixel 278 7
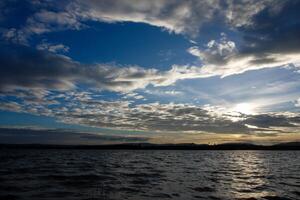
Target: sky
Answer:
pixel 160 71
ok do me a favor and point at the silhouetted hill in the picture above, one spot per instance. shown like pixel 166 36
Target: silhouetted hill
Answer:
pixel 149 146
pixel 288 144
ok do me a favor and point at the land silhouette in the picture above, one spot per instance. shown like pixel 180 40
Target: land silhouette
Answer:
pixel 150 146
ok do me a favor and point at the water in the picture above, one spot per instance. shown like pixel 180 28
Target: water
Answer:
pixel 139 175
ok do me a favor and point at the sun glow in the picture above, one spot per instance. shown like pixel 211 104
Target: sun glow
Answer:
pixel 244 108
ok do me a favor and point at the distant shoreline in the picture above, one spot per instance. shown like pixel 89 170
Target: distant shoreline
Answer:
pixel 149 146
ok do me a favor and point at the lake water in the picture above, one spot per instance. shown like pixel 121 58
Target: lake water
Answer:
pixel 139 175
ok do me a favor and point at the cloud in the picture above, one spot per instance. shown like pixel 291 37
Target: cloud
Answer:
pixel 175 16
pixel 163 92
pixel 42 82
pixel 276 26
pixel 24 67
pixel 270 39
pixel 42 22
pixel 258 45
pixel 85 108
pixel 15 36
pixel 184 17
pixel 11 106
pixel 297 104
pixel 47 84
pixel 181 17
pixel 240 13
pixel 133 95
pixel 27 68
pixel 54 48
pixel 216 52
pixel 59 136
pixel 222 58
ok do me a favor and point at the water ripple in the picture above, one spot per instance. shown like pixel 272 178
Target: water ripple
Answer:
pixel 139 175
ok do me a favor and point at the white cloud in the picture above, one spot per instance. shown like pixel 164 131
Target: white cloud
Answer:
pixel 222 58
pixel 216 52
pixel 172 92
pixel 297 104
pixel 175 16
pixel 54 48
pixel 133 95
pixel 184 17
pixel 162 92
pixel 181 17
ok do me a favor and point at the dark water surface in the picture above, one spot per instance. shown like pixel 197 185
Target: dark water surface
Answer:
pixel 138 175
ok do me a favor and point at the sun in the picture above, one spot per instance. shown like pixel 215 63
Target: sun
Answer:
pixel 244 108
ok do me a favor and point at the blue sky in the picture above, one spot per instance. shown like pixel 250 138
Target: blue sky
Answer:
pixel 149 71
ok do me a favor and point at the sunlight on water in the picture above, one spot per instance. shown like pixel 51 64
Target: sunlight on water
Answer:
pixel 248 175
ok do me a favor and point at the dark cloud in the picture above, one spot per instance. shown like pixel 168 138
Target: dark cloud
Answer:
pixel 24 67
pixel 268 120
pixel 27 68
pixel 44 136
pixel 275 29
pixel 268 33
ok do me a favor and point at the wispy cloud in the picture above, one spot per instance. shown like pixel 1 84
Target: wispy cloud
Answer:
pixel 54 48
